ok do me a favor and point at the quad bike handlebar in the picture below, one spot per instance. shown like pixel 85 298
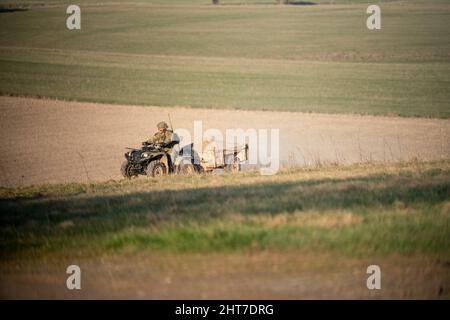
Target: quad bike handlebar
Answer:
pixel 155 145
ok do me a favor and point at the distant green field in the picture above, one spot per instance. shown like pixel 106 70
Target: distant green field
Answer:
pixel 240 54
pixel 359 210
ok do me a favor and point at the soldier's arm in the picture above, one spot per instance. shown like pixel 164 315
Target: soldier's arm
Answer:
pixel 153 139
pixel 168 138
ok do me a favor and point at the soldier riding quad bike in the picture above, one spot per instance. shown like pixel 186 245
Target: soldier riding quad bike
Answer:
pixel 160 155
pixel 158 159
pixel 152 160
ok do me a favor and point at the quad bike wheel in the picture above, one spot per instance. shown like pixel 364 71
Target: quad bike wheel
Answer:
pixel 127 170
pixel 233 167
pixel 156 169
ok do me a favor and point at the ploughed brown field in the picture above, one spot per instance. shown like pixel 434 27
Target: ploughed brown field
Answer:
pixel 51 141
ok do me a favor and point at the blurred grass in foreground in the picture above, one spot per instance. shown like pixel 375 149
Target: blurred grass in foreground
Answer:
pixel 355 210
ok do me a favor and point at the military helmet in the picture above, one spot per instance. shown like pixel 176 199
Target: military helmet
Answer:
pixel 162 125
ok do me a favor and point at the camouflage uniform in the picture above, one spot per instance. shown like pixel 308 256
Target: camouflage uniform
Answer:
pixel 161 137
pixel 164 137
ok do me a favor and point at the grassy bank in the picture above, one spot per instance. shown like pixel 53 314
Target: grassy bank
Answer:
pixel 356 211
pixel 318 58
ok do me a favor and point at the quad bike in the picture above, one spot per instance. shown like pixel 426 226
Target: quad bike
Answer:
pixel 154 160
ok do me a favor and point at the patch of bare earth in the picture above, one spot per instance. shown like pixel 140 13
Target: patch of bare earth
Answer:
pixel 51 141
pixel 258 275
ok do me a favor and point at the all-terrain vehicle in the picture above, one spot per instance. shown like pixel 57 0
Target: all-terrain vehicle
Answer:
pixel 156 160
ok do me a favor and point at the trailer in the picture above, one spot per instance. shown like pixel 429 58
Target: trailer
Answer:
pixel 228 159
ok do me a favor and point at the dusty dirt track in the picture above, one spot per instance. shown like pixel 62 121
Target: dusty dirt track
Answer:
pixel 49 141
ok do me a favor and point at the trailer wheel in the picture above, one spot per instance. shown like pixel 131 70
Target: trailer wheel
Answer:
pixel 234 167
pixel 199 169
pixel 186 169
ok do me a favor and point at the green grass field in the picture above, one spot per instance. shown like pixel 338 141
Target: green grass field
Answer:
pixel 241 54
pixel 304 233
pixel 356 211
